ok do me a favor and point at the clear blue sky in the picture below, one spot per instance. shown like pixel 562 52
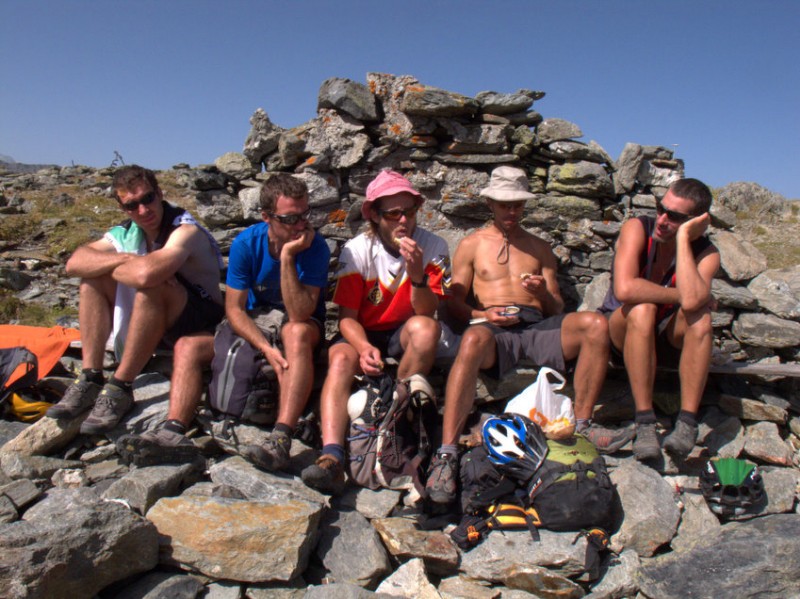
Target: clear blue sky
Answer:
pixel 174 81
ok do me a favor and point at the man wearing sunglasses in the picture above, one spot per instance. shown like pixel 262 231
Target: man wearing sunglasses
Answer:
pixel 658 308
pixel 389 283
pixel 517 314
pixel 153 279
pixel 277 273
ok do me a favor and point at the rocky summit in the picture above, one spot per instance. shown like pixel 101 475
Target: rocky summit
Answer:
pixel 77 521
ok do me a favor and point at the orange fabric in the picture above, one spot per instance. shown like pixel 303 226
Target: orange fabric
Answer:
pixel 48 344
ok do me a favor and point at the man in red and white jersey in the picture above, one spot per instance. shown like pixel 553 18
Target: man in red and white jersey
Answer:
pixel 389 283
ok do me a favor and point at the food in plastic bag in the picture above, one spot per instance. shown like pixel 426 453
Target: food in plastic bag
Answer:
pixel 541 403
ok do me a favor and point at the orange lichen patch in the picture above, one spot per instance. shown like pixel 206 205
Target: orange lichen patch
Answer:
pixel 395 129
pixel 372 87
pixel 310 160
pixel 337 216
pixel 415 88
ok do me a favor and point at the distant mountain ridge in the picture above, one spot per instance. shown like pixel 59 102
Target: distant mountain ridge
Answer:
pixel 9 165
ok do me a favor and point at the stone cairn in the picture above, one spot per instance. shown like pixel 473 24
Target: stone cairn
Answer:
pixel 75 521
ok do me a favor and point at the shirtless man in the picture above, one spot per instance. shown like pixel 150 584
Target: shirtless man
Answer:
pixel 154 278
pixel 507 267
pixel 658 306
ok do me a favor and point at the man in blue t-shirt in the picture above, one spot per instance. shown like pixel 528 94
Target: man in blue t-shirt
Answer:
pixel 278 269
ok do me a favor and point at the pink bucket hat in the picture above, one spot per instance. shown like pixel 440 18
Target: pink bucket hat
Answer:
pixel 387 183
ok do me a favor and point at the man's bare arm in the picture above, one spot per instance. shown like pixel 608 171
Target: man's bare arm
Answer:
pixel 245 327
pixel 162 264
pixel 693 275
pixel 300 300
pixel 369 357
pixel 95 259
pixel 629 287
pixel 548 293
pixel 461 281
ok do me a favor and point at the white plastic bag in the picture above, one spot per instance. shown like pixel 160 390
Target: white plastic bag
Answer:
pixel 541 403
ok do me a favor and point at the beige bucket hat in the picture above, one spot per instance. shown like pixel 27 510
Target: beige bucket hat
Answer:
pixel 508 184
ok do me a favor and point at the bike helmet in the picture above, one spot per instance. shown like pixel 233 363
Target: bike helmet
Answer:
pixel 731 486
pixel 515 444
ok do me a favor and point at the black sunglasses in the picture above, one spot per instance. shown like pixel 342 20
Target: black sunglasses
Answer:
pixel 133 205
pixel 291 219
pixel 676 217
pixel 398 213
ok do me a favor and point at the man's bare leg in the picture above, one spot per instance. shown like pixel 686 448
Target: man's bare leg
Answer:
pixel 192 353
pixel 692 331
pixel 299 341
pixel 584 335
pixel 633 328
pixel 155 309
pixel 95 315
pixel 476 352
pixel 327 474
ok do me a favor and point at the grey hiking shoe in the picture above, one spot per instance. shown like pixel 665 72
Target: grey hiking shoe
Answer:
pixel 681 440
pixel 273 455
pixel 326 475
pixel 78 398
pixel 646 446
pixel 608 440
pixel 111 405
pixel 158 446
pixel 442 478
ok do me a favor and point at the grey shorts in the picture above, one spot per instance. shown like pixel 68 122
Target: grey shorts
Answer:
pixel 539 342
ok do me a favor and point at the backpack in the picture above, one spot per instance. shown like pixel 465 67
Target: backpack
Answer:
pixel 22 365
pixel 243 385
pixel 572 489
pixel 388 439
pixel 19 394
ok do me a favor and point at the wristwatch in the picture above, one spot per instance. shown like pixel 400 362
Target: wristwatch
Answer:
pixel 422 284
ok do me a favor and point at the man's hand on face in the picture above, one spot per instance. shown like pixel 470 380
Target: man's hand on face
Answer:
pixel 412 254
pixel 695 227
pixel 303 242
pixel 370 361
pixel 535 285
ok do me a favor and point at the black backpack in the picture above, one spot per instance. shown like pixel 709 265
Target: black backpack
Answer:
pixel 12 359
pixel 243 385
pixel 572 490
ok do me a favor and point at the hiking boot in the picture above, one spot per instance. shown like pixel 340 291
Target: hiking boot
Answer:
pixel 608 440
pixel 78 398
pixel 273 455
pixel 158 446
pixel 111 405
pixel 681 440
pixel 442 478
pixel 326 475
pixel 646 446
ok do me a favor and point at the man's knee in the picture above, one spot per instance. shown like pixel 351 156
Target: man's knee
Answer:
pixel 642 316
pixel 423 331
pixel 194 349
pixel 475 345
pixel 299 335
pixel 342 359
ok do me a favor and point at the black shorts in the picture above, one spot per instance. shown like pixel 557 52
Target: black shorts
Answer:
pixel 200 314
